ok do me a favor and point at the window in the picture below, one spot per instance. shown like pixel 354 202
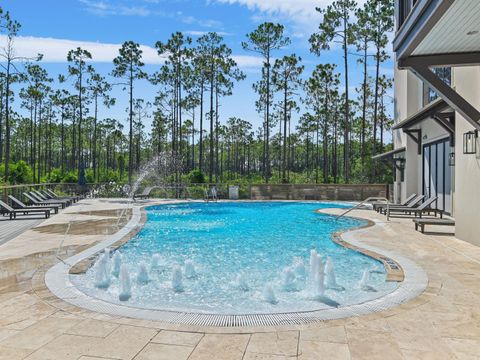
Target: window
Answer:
pixel 404 7
pixel 445 74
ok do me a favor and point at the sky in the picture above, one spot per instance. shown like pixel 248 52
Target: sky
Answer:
pixel 53 27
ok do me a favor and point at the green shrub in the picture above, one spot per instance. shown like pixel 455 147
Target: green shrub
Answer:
pixel 55 176
pixel 70 177
pixel 20 173
pixel 89 176
pixel 196 177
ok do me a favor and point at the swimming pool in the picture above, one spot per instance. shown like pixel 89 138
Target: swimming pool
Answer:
pixel 238 258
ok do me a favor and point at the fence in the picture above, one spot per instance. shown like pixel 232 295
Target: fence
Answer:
pixel 350 192
pixel 346 192
pixel 18 190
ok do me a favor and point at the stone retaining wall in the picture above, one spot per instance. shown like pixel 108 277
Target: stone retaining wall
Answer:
pixel 350 192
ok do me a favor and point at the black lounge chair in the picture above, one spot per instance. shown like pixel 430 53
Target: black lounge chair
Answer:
pixel 420 223
pixel 35 201
pixel 17 204
pixel 377 206
pixel 51 195
pixel 424 208
pixel 41 197
pixel 143 195
pixel 7 209
pixel 411 205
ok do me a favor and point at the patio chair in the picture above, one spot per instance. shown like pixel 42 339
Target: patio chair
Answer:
pixel 42 197
pixel 35 201
pixel 424 208
pixel 7 209
pixel 420 223
pixel 144 195
pixel 17 204
pixel 52 195
pixel 377 206
pixel 411 205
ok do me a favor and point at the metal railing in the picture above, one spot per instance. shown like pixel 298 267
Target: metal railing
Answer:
pixel 367 200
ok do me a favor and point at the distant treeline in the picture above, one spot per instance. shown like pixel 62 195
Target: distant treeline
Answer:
pixel 50 129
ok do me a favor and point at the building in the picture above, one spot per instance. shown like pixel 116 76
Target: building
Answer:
pixel 437 107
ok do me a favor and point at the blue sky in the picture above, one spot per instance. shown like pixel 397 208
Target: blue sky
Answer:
pixel 55 26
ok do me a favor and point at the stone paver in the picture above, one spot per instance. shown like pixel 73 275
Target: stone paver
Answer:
pixel 442 323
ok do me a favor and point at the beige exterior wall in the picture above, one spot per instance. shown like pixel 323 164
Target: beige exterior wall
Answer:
pixel 467 167
pixel 466 174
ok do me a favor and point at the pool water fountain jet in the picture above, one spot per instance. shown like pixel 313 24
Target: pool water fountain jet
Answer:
pixel 190 272
pixel 102 277
pixel 269 294
pixel 242 283
pixel 288 279
pixel 125 285
pixel 299 268
pixel 331 280
pixel 117 262
pixel 319 277
pixel 142 276
pixel 155 262
pixel 363 284
pixel 177 281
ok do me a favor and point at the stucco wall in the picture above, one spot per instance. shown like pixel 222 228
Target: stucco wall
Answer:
pixel 467 167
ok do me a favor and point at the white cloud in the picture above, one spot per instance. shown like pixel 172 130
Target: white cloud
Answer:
pixel 55 51
pixel 103 8
pixel 301 12
pixel 201 33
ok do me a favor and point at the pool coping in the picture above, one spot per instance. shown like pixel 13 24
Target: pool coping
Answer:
pixel 57 279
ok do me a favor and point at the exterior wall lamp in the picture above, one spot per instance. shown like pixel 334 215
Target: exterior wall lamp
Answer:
pixel 470 142
pixel 451 159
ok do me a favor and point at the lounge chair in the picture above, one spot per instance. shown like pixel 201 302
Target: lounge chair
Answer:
pixel 379 205
pixel 424 208
pixel 14 212
pixel 52 195
pixel 420 223
pixel 17 204
pixel 43 197
pixel 144 195
pixel 411 205
pixel 35 201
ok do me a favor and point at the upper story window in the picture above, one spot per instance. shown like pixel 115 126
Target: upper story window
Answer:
pixel 404 7
pixel 445 74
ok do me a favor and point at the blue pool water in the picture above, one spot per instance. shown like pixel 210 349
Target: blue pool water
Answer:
pixel 237 249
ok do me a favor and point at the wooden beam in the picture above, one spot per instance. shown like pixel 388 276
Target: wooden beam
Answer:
pixel 415 135
pixel 441 60
pixel 454 99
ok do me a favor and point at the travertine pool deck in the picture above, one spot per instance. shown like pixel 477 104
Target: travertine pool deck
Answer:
pixel 442 323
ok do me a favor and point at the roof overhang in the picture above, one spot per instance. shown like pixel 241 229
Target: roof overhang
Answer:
pixel 429 111
pixel 441 33
pixel 439 27
pixel 389 154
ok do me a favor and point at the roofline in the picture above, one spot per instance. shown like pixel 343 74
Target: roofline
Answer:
pixel 389 153
pixel 427 111
pixel 423 17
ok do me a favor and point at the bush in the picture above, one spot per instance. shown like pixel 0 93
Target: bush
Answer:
pixel 196 177
pixel 70 177
pixel 109 176
pixel 19 173
pixel 55 176
pixel 89 176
